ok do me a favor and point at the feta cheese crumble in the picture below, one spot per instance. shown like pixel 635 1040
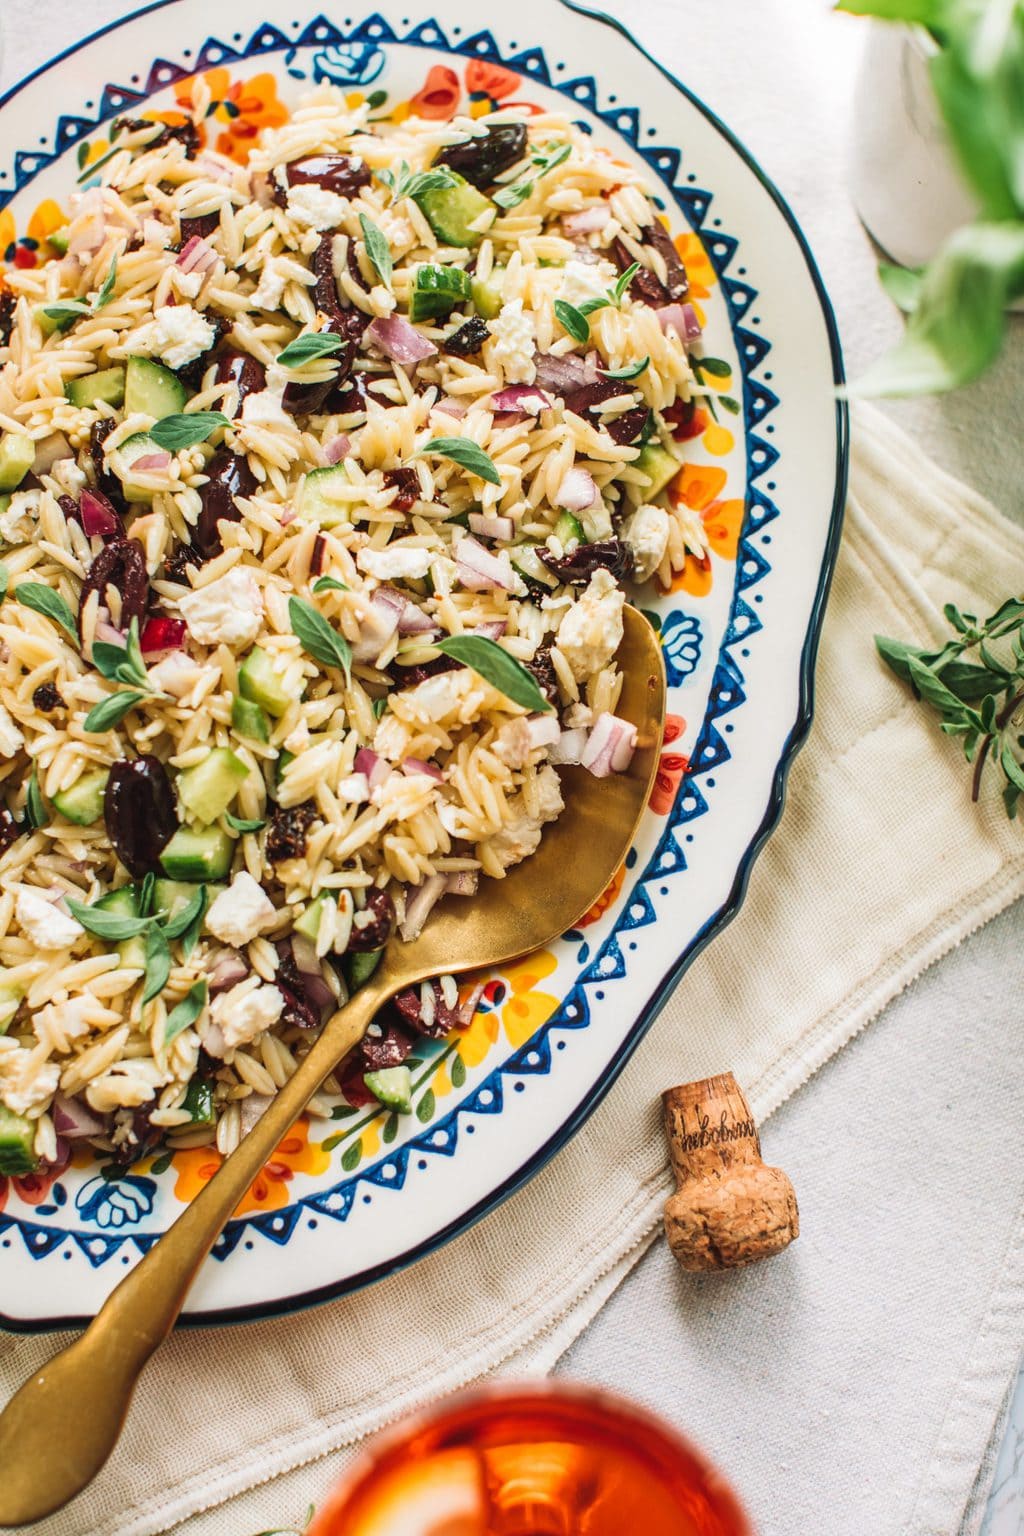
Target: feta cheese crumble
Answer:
pixel 395 563
pixel 646 533
pixel 176 335
pixel 243 1013
pixel 591 632
pixel 241 912
pixel 583 280
pixel 45 925
pixel 314 207
pixel 512 343
pixel 228 611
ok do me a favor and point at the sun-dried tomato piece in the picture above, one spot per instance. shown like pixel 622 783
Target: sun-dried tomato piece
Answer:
pixel 202 225
pixel 408 677
pixel 47 697
pixel 289 826
pixel 390 1048
pixel 543 669
pixel 576 569
pixel 144 1137
pixel 10 830
pixel 407 482
pixel 468 338
pixel 177 563
pixel 185 133
pixel 298 1009
pixel 108 483
pixel 627 427
pixel 375 933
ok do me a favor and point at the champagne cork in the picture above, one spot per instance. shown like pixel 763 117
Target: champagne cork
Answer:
pixel 729 1208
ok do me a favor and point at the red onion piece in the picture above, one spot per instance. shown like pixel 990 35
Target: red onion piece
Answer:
pixel 150 463
pixel 49 451
pixel 490 527
pixel 196 256
pixel 544 730
pixel 562 374
pixel 98 516
pixel 413 621
pixel 492 630
pixel 318 993
pixel 386 609
pixel 108 632
pixel 464 882
pixel 411 765
pixel 523 398
pixel 481 571
pixel 577 491
pixel 229 970
pixel 693 325
pixel 680 318
pixel 569 747
pixel 587 222
pixel 336 449
pixel 421 902
pixel 376 768
pixel 610 746
pixel 449 407
pixel 399 340
pixel 467 1009
pixel 162 634
pixel 72 1119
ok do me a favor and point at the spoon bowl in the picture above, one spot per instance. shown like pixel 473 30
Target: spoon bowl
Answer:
pixel 61 1425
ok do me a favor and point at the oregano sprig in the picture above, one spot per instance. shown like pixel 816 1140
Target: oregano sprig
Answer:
pixel 980 701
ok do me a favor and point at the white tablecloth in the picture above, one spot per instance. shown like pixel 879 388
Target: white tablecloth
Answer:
pixel 780 73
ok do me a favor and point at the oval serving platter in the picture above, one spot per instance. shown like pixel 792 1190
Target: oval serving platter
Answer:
pixel 347 1201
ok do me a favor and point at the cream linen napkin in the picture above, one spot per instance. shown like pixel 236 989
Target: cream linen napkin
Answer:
pixel 879 867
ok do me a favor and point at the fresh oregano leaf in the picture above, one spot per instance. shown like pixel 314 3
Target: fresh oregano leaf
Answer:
pixel 572 320
pixel 329 584
pixel 107 925
pixel 106 293
pixel 195 907
pixel 467 454
pixel 377 249
pixel 237 824
pixel 44 600
pixel 318 638
pixel 631 371
pixel 313 344
pixel 111 711
pixel 158 963
pixel 497 667
pixel 35 810
pixel 186 430
pixel 186 1012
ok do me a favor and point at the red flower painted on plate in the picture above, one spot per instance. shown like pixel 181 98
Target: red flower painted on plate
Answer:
pixel 32 1188
pixel 490 79
pixel 672 769
pixel 440 95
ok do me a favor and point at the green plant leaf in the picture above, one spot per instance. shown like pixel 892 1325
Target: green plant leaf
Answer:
pixel 158 963
pixel 623 281
pixel 309 346
pixel 5 581
pixel 238 824
pixel 35 810
pixel 572 320
pixel 515 193
pixel 106 293
pixel 902 284
pixel 501 670
pixel 318 638
pixel 464 452
pixel 66 313
pixel 1011 767
pixel 186 1012
pixel 957 328
pixel 121 663
pixel 377 249
pixel 44 600
pixel 107 925
pixel 194 908
pixel 186 430
pixel 111 711
pixel 631 371
pixel 329 584
pixel 926 13
pixel 144 900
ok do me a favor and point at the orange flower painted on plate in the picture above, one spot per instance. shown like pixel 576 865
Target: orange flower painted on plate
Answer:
pixel 697 487
pixel 31 249
pixel 243 107
pixel 699 270
pixel 489 79
pixel 671 769
pixel 440 95
pixel 269 1190
pixel 604 901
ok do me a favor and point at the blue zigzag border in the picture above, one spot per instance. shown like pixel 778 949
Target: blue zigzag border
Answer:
pixel 727 690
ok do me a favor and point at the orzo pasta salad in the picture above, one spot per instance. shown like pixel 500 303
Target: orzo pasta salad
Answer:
pixel 321 479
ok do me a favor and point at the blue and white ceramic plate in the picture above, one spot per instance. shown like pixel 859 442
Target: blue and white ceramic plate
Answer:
pixel 345 1203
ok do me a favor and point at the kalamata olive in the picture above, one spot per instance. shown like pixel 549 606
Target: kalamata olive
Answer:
pixel 186 133
pixel 307 399
pixel 7 306
pixel 286 835
pixel 139 814
pixel 192 374
pixel 178 561
pixel 407 482
pixel 658 238
pixel 143 1138
pixel 583 400
pixel 229 476
pixel 108 483
pixel 408 677
pixel 10 829
pixel 389 1048
pixel 627 427
pixel 325 293
pixel 343 174
pixel 468 338
pixel 120 564
pixel 299 1011
pixel 576 569
pixel 410 1006
pixel 375 933
pixel 543 669
pixel 202 225
pixel 243 371
pixel 481 160
pixel 645 285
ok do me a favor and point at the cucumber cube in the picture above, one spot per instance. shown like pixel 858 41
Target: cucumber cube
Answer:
pixel 569 528
pixel 83 802
pixel 361 966
pixel 17 1136
pixel 261 684
pixel 137 447
pixel 124 903
pixel 249 720
pixel 393 1087
pixel 436 291
pixel 658 465
pixel 208 789
pixel 106 385
pixel 451 210
pixel 152 389
pixel 486 293
pixel 199 1101
pixel 317 501
pixel 308 925
pixel 10 1002
pixel 171 897
pixel 17 455
pixel 198 853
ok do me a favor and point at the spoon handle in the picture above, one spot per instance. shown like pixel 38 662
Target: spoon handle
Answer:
pixel 61 1425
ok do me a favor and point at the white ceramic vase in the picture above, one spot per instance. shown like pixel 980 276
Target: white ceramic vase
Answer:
pixel 905 182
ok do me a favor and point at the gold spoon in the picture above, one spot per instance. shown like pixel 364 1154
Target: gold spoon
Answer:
pixel 60 1427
